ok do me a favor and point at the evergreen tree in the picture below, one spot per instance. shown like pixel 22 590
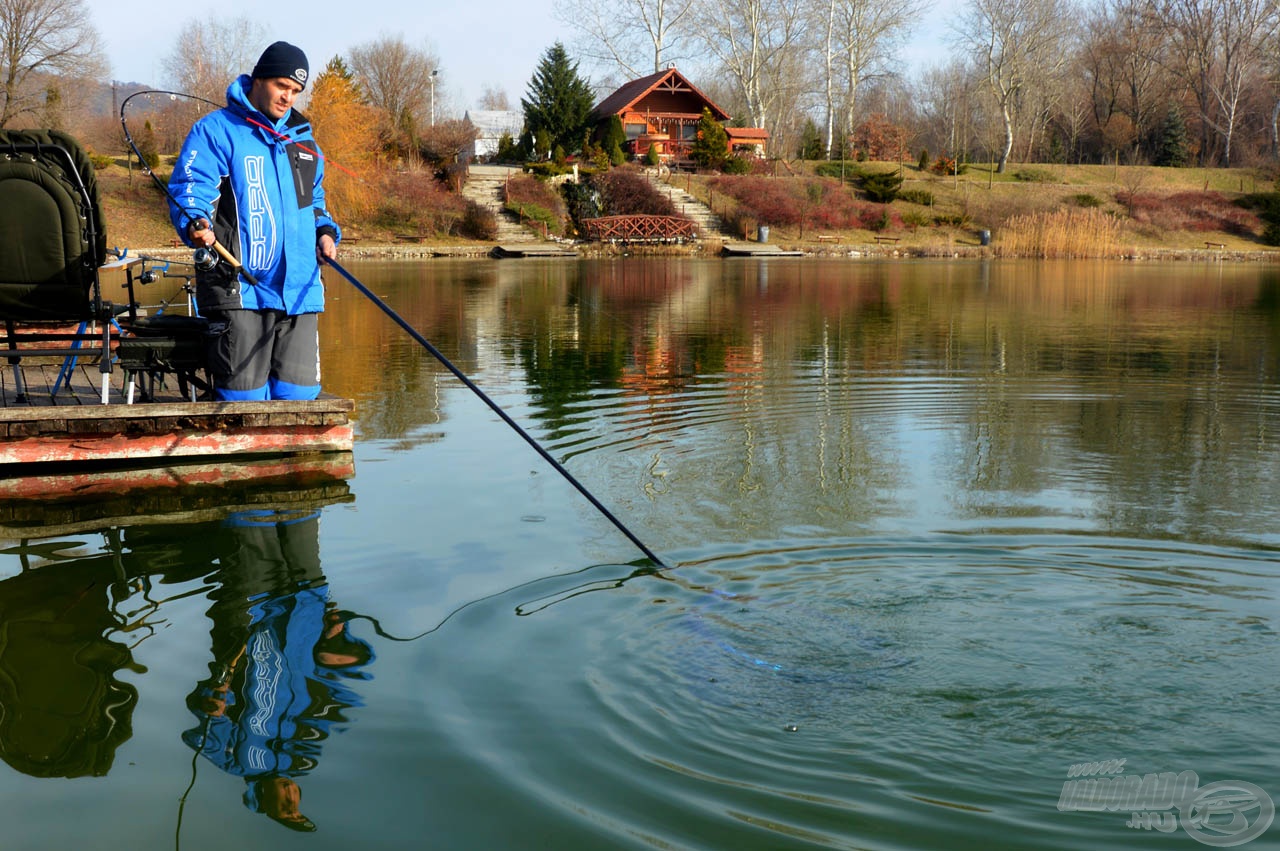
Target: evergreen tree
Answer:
pixel 559 101
pixel 1171 147
pixel 711 147
pixel 810 142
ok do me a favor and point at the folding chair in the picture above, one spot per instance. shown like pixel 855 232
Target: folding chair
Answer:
pixel 52 243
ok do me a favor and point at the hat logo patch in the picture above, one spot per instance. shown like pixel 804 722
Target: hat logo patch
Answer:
pixel 300 75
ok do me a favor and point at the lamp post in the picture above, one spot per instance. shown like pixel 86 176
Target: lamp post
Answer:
pixel 433 96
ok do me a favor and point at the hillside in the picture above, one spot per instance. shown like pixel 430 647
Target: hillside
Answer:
pixel 1147 208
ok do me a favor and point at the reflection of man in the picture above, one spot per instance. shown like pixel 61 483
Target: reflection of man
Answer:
pixel 283 656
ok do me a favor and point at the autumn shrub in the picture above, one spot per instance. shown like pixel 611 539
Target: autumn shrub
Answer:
pixel 478 222
pixel 415 202
pixel 100 161
pixel 947 165
pixel 627 192
pixel 880 139
pixel 770 202
pixel 821 203
pixel 1084 199
pixel 1190 211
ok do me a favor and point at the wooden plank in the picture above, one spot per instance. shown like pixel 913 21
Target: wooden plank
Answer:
pixel 96 448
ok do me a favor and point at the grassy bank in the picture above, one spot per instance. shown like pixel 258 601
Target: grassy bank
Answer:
pixel 1030 211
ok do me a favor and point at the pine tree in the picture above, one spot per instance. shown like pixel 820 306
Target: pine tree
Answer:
pixel 711 147
pixel 1171 147
pixel 810 142
pixel 559 101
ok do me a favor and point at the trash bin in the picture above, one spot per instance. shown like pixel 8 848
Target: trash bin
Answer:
pixel 984 237
pixel 764 234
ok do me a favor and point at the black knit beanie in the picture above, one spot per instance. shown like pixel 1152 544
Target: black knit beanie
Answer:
pixel 282 59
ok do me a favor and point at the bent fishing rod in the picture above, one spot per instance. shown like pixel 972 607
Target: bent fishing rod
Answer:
pixel 493 406
pixel 192 221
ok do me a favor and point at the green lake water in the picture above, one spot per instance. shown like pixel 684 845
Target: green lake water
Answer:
pixel 935 536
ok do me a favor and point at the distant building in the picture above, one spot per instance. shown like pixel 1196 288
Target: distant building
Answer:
pixel 663 110
pixel 490 126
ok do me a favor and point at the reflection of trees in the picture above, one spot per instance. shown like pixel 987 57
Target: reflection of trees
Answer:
pixel 737 380
pixel 68 625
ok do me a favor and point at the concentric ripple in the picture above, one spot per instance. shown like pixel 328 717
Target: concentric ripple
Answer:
pixel 850 693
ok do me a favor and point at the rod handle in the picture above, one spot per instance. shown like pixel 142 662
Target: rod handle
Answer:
pixel 234 263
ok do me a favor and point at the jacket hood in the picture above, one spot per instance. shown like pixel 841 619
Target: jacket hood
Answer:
pixel 238 102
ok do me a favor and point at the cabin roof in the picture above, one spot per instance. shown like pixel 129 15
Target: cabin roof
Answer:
pixel 629 94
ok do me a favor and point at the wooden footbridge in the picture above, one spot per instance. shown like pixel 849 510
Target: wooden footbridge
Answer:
pixel 639 229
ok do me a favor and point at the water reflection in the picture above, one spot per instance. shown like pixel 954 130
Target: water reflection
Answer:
pixel 283 661
pixel 702 386
pixel 63 709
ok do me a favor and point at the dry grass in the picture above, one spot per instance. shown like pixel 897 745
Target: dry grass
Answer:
pixel 1060 234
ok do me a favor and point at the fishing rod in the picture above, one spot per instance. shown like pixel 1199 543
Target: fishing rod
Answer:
pixel 192 221
pixel 503 415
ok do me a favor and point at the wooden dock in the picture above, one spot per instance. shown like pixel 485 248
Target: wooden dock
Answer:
pixel 756 249
pixel 532 249
pixel 73 427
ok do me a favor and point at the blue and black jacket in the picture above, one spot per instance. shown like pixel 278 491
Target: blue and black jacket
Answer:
pixel 262 190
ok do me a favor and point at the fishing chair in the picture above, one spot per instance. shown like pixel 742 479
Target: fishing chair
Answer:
pixel 52 243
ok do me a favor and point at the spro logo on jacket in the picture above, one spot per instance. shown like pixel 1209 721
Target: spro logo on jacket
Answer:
pixel 262 227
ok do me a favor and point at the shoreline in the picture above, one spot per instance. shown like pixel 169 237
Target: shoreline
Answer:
pixel 713 248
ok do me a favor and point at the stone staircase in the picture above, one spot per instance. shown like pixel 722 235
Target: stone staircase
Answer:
pixel 709 224
pixel 484 186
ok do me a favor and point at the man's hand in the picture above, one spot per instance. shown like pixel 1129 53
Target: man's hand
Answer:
pixel 201 233
pixel 326 248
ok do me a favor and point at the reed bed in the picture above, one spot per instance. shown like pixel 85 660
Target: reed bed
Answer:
pixel 1060 234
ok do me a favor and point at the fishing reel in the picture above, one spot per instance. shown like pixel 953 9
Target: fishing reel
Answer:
pixel 205 259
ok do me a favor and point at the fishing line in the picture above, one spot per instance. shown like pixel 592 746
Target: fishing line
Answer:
pixel 503 415
pixel 530 607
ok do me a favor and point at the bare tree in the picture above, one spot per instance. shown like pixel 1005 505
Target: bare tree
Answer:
pixel 1014 42
pixel 1221 44
pixel 494 98
pixel 949 105
pixel 1243 25
pixel 399 81
pixel 42 39
pixel 758 42
pixel 1122 58
pixel 628 37
pixel 208 55
pixel 859 38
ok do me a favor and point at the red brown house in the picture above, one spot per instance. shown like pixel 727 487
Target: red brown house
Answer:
pixel 662 110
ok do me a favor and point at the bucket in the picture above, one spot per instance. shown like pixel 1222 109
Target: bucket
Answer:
pixel 764 234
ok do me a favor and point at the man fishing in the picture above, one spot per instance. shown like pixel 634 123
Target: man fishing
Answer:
pixel 250 180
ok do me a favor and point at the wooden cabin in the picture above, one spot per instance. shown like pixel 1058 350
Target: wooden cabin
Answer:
pixel 662 110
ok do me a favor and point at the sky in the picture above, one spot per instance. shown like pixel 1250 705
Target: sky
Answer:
pixel 494 43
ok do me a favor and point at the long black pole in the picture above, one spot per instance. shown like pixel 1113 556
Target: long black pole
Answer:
pixel 506 418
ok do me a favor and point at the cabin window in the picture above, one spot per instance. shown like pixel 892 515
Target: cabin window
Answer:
pixel 634 131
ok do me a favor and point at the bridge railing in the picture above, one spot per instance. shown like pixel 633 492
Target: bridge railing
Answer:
pixel 639 228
